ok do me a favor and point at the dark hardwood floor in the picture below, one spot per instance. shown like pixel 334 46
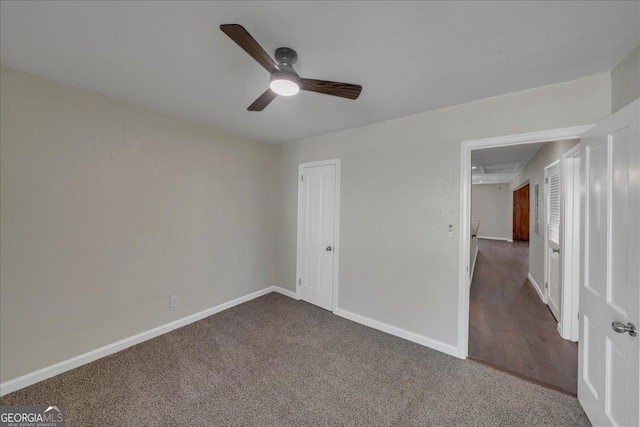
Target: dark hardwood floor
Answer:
pixel 509 326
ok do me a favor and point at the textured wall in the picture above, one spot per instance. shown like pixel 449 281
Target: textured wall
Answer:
pixel 107 209
pixel 534 172
pixel 399 178
pixel 490 206
pixel 625 81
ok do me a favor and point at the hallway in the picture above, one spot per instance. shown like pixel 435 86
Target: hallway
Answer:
pixel 509 326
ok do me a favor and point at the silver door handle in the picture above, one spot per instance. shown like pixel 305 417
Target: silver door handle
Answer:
pixel 555 250
pixel 621 328
pixel 329 248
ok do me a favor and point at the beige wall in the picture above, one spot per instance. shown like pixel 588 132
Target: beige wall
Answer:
pixel 625 81
pixel 399 178
pixel 490 206
pixel 534 173
pixel 107 209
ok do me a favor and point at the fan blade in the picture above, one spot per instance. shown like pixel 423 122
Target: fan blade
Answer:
pixel 238 34
pixel 345 90
pixel 264 100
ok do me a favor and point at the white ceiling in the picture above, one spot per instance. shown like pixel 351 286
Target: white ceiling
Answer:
pixel 409 57
pixel 519 154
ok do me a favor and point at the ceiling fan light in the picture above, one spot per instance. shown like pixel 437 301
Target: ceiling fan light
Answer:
pixel 284 87
pixel 284 83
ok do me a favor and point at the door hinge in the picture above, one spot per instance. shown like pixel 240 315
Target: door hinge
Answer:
pixel 546 180
pixel 299 282
pixel 578 315
pixel 301 177
pixel 546 285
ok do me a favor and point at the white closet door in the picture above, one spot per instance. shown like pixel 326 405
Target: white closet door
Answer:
pixel 554 264
pixel 316 234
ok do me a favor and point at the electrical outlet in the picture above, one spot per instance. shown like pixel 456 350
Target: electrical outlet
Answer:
pixel 173 301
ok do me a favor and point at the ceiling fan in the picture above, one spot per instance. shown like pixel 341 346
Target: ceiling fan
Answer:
pixel 284 79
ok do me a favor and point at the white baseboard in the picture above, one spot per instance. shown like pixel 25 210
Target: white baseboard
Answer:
pixel 398 332
pixel 537 288
pixel 393 330
pixel 74 362
pixel 285 292
pixel 504 239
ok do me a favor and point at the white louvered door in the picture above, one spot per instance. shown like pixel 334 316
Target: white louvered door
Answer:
pixel 553 261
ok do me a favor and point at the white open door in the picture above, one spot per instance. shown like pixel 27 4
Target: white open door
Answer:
pixel 608 384
pixel 317 232
pixel 571 189
pixel 552 220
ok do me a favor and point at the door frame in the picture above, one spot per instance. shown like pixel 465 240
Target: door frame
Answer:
pixel 336 237
pixel 545 176
pixel 569 324
pixel 466 147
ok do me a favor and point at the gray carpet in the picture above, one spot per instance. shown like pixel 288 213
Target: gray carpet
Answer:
pixel 275 361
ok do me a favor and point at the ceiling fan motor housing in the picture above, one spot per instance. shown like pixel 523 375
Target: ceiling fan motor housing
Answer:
pixel 285 75
pixel 286 57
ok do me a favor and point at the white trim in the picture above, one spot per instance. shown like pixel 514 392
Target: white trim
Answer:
pixel 398 332
pixel 336 260
pixel 336 242
pixel 496 238
pixel 570 243
pixel 464 248
pixel 473 267
pixel 537 288
pixel 285 292
pixel 528 138
pixel 66 365
pixel 384 327
pixel 69 364
pixel 465 209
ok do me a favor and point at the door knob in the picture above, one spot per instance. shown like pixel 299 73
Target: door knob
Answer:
pixel 621 328
pixel 329 248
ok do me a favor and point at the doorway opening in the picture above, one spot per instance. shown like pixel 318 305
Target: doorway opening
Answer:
pixel 511 323
pixel 521 208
